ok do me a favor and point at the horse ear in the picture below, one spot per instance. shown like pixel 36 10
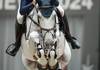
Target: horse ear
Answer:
pixel 39 14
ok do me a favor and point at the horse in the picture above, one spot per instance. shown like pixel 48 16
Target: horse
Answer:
pixel 43 45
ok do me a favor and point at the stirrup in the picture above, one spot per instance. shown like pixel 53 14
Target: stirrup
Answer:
pixel 10 49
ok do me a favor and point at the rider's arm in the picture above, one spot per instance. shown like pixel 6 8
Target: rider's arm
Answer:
pixel 26 7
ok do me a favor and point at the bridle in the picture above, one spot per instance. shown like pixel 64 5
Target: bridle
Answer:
pixel 46 31
pixel 38 24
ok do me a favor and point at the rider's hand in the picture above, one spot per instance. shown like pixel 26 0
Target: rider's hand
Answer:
pixel 34 2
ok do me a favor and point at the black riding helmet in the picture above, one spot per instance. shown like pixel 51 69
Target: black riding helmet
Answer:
pixel 47 6
pixel 47 2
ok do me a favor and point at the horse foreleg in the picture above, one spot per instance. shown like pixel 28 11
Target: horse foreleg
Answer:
pixel 42 61
pixel 65 59
pixel 29 65
pixel 65 68
pixel 62 64
pixel 52 59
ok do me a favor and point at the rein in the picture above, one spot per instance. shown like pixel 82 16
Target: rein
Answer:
pixel 44 29
pixel 48 30
pixel 40 26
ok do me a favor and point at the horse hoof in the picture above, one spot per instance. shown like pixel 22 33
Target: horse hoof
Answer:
pixel 42 61
pixel 42 67
pixel 52 60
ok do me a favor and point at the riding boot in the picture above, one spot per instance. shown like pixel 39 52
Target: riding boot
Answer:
pixel 72 40
pixel 14 47
pixel 64 27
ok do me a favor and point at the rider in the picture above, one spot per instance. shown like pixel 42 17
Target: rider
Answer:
pixel 25 8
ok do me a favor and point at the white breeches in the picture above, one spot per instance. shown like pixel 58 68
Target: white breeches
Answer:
pixel 61 10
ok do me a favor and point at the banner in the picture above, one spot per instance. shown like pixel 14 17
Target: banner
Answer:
pixel 6 5
pixel 78 6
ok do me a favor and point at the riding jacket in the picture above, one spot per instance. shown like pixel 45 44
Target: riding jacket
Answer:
pixel 26 6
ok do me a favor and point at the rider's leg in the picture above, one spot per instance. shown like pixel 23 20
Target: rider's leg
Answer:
pixel 68 36
pixel 65 27
pixel 13 49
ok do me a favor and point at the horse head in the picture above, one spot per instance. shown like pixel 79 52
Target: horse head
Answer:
pixel 47 20
pixel 45 42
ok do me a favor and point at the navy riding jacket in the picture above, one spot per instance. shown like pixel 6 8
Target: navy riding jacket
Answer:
pixel 26 6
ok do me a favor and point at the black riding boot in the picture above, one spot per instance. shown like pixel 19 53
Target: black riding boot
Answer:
pixel 64 27
pixel 14 47
pixel 68 36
